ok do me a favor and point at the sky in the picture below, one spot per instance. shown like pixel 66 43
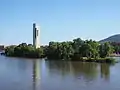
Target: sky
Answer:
pixel 59 20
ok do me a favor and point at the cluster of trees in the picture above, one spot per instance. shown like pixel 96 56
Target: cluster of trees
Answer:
pixel 24 50
pixel 116 47
pixel 75 49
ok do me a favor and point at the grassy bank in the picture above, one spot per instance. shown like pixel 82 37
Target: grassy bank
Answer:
pixel 98 60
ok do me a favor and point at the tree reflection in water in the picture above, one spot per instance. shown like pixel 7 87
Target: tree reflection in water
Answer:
pixel 105 71
pixel 87 71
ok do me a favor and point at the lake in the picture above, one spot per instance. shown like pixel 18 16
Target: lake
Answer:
pixel 29 74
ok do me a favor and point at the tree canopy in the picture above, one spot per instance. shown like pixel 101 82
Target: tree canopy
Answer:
pixel 75 49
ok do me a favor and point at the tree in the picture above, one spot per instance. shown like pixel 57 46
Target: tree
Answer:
pixel 66 50
pixel 116 47
pixel 51 51
pixel 105 49
pixel 77 43
pixel 89 49
pixel 39 52
pixel 9 51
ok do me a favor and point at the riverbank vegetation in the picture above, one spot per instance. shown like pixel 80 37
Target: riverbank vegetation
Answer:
pixel 82 50
pixel 116 47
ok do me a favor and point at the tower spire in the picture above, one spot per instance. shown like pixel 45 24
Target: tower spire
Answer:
pixel 36 36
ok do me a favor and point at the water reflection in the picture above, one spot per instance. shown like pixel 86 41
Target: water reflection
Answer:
pixel 86 71
pixel 22 64
pixel 17 73
pixel 36 74
pixel 105 71
pixel 58 67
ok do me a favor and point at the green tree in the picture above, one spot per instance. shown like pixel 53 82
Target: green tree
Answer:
pixel 66 50
pixel 77 43
pixel 9 51
pixel 105 49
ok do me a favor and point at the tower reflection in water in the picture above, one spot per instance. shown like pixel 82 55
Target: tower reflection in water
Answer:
pixel 36 75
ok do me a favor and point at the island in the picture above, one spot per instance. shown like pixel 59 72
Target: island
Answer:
pixel 76 50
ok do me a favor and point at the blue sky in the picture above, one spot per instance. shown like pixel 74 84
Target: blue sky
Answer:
pixel 60 20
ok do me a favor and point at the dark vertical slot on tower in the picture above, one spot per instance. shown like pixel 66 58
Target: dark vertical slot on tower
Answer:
pixel 35 32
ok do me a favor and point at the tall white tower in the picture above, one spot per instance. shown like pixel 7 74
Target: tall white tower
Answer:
pixel 36 36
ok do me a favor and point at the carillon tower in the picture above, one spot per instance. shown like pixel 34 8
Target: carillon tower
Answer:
pixel 36 36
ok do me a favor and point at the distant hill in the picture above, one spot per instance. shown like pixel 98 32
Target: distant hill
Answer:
pixel 114 38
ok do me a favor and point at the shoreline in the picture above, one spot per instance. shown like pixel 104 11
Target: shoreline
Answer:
pixel 97 60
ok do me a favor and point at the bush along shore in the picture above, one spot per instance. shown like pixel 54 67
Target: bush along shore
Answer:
pixel 80 50
pixel 98 60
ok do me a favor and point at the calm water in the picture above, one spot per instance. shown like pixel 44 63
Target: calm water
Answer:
pixel 26 74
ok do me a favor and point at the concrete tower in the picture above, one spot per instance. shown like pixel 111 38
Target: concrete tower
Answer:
pixel 36 36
